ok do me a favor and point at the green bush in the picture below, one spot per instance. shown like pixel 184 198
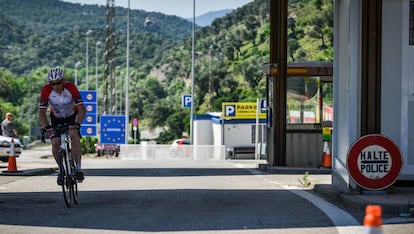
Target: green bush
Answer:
pixel 88 144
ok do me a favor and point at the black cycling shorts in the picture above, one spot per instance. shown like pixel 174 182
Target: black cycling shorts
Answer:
pixel 62 121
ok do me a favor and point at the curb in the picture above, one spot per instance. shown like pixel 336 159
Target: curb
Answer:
pixel 293 170
pixel 354 202
pixel 29 172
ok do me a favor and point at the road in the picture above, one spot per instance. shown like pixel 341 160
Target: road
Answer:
pixel 170 195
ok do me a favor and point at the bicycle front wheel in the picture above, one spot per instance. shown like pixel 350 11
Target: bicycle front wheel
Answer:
pixel 68 181
pixel 75 182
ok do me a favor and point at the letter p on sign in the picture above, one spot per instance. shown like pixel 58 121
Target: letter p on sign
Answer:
pixel 186 100
pixel 230 110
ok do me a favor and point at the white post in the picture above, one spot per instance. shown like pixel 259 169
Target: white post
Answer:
pixel 127 81
pixel 77 65
pixel 98 43
pixel 256 144
pixel 76 76
pixel 87 63
pixel 87 58
pixel 192 78
pixel 115 97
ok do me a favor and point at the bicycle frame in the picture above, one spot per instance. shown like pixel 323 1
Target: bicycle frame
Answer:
pixel 69 186
pixel 64 147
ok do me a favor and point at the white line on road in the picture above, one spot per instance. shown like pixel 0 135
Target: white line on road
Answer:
pixel 343 221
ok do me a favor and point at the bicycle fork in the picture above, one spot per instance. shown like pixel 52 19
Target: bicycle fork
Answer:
pixel 63 147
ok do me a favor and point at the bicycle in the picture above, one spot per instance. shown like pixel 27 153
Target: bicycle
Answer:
pixel 67 165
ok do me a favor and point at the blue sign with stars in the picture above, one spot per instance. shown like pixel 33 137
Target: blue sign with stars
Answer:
pixel 112 129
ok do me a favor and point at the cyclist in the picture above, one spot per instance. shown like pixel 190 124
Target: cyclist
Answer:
pixel 66 107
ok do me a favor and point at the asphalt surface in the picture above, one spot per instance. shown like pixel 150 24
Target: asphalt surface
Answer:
pixel 396 204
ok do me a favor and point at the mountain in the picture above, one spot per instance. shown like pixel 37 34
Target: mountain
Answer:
pixel 207 18
pixel 38 34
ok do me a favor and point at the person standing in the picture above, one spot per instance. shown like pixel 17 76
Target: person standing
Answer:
pixel 7 126
pixel 66 107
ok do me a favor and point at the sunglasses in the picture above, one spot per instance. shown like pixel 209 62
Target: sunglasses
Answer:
pixel 56 83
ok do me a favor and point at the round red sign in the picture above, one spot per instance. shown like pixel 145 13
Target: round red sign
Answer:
pixel 135 122
pixel 89 96
pixel 374 162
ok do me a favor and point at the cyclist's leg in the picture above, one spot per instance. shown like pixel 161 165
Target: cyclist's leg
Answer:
pixel 55 141
pixel 76 146
pixel 58 158
pixel 77 152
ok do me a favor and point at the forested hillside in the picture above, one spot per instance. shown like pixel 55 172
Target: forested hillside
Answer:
pixel 38 34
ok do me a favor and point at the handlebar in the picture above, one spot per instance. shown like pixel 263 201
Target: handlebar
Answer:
pixel 59 129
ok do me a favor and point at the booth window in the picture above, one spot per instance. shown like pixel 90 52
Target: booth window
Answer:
pixel 309 100
pixel 262 132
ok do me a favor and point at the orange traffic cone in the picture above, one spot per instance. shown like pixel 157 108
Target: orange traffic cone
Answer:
pixel 12 167
pixel 373 219
pixel 326 156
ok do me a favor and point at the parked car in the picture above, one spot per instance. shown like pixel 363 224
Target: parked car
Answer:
pixel 180 148
pixel 5 143
pixel 183 141
pixel 107 149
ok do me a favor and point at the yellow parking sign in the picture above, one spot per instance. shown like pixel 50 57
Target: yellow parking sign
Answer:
pixel 241 110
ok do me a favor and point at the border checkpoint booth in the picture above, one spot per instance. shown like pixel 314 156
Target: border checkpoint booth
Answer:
pixel 306 119
pixel 304 132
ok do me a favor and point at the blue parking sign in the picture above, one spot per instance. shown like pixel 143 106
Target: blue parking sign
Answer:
pixel 263 105
pixel 186 100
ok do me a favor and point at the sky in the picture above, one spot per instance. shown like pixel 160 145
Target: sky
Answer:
pixel 182 8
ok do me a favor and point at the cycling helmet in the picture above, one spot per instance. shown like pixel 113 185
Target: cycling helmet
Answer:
pixel 55 74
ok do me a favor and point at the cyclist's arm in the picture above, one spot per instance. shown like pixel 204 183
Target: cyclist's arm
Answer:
pixel 81 113
pixel 43 117
pixel 43 105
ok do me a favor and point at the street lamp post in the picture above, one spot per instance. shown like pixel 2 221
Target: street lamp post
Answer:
pixel 127 81
pixel 115 110
pixel 87 58
pixel 98 43
pixel 192 77
pixel 77 66
pixel 210 82
pixel 121 75
pixel 30 103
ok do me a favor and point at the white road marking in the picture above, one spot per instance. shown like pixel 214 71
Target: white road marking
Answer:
pixel 343 221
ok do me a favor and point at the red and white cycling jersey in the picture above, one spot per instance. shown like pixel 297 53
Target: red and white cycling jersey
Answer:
pixel 62 104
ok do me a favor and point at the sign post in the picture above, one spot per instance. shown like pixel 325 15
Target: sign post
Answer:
pixel 135 128
pixel 374 162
